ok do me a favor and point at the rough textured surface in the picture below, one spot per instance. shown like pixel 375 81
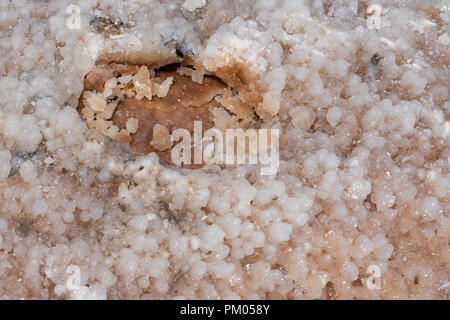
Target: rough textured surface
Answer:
pixel 182 102
pixel 364 172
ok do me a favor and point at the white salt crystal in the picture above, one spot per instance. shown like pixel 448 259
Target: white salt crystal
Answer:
pixel 334 116
pixel 302 117
pixel 132 125
pixel 125 79
pixel 142 84
pixel 192 5
pixel 164 87
pixel 49 160
pixel 28 171
pixel 5 163
pixel 197 76
pixel 280 232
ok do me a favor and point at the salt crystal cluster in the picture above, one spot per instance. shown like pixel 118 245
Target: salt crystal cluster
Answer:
pixel 364 175
pixel 98 107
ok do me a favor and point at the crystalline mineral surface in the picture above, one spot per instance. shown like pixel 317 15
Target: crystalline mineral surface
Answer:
pixel 362 104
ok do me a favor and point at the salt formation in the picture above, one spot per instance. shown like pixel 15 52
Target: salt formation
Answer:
pixel 117 97
pixel 364 153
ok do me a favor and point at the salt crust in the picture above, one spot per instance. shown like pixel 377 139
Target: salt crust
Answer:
pixel 368 185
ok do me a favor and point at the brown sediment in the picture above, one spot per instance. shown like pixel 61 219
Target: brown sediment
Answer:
pixel 185 102
pixel 138 58
pixel 166 111
pixel 234 88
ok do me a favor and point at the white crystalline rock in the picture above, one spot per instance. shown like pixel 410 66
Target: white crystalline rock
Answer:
pixel 130 41
pixel 295 209
pixel 93 292
pixel 238 39
pixel 93 45
pixel 302 117
pixel 211 237
pixel 197 76
pixel 235 40
pixel 5 163
pixel 142 84
pixel 280 232
pixel 24 130
pixel 430 208
pixel 125 79
pixel 199 270
pixel 3 225
pixel 334 116
pixel 96 102
pixel 109 85
pixel 414 83
pixel 28 171
pixel 271 99
pixel 360 189
pixel 445 39
pixel 270 191
pixel 178 245
pixel 349 271
pixel 39 207
pixel 221 269
pixel 164 87
pixel 192 5
pixel 363 170
pixel 132 125
pixel 49 160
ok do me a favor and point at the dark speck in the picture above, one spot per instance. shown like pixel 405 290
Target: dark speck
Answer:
pixel 16 161
pixel 179 53
pixel 375 59
pixel 22 229
pixel 181 50
pixel 112 99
